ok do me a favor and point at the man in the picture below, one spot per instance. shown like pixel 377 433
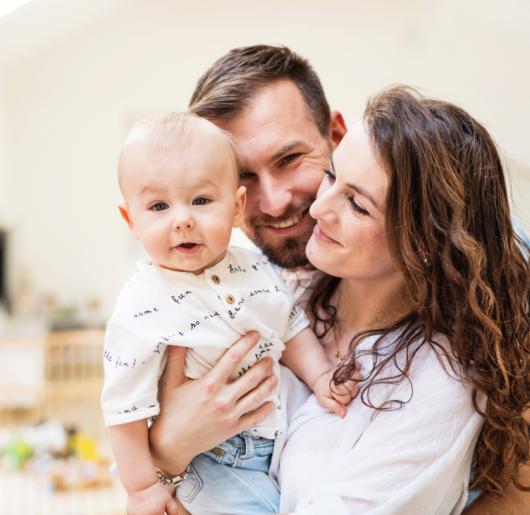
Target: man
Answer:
pixel 272 103
pixel 283 145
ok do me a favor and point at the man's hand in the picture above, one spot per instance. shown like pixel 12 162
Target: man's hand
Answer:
pixel 196 415
pixel 153 500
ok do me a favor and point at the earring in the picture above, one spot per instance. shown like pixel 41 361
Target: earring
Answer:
pixel 423 256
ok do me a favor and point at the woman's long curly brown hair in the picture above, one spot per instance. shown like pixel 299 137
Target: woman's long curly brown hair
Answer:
pixel 449 230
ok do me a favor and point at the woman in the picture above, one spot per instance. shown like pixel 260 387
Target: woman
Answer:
pixel 414 232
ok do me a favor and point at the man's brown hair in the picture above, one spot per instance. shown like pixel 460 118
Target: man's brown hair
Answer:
pixel 229 85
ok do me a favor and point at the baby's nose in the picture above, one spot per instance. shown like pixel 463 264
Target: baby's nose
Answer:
pixel 183 221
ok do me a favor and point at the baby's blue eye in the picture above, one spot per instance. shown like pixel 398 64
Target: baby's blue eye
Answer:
pixel 200 201
pixel 159 206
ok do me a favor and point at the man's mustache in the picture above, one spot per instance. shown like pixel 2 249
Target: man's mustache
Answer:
pixel 291 211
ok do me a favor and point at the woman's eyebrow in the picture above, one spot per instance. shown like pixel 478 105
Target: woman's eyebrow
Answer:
pixel 364 193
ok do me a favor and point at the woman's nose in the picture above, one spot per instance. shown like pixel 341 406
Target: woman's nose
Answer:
pixel 323 206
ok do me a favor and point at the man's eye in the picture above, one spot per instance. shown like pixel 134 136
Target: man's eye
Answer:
pixel 245 176
pixel 201 201
pixel 289 158
pixel 159 206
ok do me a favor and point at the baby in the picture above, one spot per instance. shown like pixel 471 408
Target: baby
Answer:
pixel 179 180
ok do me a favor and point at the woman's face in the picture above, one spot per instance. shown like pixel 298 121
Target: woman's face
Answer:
pixel 349 239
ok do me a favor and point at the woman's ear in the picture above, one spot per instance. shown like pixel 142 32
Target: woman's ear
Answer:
pixel 241 200
pixel 337 128
pixel 124 212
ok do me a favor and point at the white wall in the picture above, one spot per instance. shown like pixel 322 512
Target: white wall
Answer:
pixel 3 152
pixel 69 105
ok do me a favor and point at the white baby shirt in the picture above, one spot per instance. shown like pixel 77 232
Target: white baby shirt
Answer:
pixel 206 312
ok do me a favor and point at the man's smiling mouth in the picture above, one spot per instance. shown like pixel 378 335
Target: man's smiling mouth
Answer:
pixel 288 222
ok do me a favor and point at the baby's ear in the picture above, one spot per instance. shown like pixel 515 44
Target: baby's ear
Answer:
pixel 241 200
pixel 124 212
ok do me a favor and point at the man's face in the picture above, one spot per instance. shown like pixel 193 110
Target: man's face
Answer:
pixel 282 157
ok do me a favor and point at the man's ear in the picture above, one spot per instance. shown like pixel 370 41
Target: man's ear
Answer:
pixel 124 212
pixel 338 128
pixel 241 201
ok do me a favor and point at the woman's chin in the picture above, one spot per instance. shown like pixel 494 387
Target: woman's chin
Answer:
pixel 317 257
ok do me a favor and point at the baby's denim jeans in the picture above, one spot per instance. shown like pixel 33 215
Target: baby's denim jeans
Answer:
pixel 232 479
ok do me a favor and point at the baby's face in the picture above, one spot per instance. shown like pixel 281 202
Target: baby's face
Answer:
pixel 181 203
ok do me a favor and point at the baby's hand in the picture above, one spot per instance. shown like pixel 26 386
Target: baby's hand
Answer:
pixel 334 397
pixel 153 500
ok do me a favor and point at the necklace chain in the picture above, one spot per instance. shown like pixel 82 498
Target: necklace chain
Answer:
pixel 335 341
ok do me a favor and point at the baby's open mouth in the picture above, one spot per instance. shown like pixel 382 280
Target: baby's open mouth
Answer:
pixel 188 247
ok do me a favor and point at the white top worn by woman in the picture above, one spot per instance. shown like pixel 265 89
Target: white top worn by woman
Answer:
pixel 415 460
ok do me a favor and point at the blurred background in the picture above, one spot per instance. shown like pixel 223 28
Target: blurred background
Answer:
pixel 75 75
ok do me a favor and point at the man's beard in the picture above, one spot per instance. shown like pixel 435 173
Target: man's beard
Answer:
pixel 288 252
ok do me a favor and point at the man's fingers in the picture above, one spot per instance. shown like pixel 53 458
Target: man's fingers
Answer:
pixel 171 508
pixel 257 395
pixel 174 507
pixel 252 378
pixel 174 371
pixel 230 360
pixel 254 418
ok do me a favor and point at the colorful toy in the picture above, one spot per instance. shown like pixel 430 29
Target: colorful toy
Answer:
pixel 17 453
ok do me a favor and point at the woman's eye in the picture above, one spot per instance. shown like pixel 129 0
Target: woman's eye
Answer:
pixel 356 207
pixel 200 201
pixel 159 206
pixel 330 175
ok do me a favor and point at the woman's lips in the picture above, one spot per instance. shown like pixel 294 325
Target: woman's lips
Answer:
pixel 323 237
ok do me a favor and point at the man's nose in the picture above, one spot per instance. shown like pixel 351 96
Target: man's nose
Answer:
pixel 274 195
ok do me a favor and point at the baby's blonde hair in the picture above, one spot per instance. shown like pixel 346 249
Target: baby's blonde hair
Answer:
pixel 182 129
